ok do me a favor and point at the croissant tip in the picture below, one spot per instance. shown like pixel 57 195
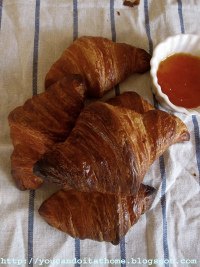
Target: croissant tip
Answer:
pixel 42 209
pixel 45 170
pixel 41 169
pixel 115 242
pixel 185 136
pixel 145 58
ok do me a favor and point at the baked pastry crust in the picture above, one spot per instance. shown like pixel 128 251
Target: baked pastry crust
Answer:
pixel 110 149
pixel 97 216
pixel 102 63
pixel 43 120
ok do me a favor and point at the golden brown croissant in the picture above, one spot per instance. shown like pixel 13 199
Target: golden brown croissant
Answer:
pixel 42 121
pixel 101 62
pixel 110 149
pixel 94 215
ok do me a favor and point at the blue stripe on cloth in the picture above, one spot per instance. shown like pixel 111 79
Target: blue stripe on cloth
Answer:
pixel 180 13
pixel 161 159
pixel 112 20
pixel 75 19
pixel 36 42
pixel 194 119
pixel 197 142
pixel 1 8
pixel 77 249
pixel 117 92
pixel 34 92
pixel 113 32
pixel 123 251
pixel 30 226
pixel 147 26
pixel 163 204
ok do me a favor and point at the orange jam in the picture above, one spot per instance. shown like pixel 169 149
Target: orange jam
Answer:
pixel 179 77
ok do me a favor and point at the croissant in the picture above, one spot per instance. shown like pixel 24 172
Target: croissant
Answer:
pixel 94 215
pixel 110 149
pixel 101 62
pixel 42 121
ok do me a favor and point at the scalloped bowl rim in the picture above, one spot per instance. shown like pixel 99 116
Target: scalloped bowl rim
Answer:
pixel 154 67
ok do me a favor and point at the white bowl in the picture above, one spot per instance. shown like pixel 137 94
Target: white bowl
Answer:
pixel 182 43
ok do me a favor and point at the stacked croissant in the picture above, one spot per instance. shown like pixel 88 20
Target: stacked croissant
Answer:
pixel 98 154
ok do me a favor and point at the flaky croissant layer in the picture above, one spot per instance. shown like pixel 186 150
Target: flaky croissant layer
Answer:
pixel 97 216
pixel 110 149
pixel 43 120
pixel 101 62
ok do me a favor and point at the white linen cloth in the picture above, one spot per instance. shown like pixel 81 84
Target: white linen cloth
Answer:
pixel 33 36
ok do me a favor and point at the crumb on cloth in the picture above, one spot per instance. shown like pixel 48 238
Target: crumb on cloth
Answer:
pixel 131 3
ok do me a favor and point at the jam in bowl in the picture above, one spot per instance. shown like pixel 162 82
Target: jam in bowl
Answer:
pixel 175 72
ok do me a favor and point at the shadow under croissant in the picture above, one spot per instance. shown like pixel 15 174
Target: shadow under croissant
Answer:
pixel 97 216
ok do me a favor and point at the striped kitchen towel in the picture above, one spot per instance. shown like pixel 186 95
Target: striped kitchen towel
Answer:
pixel 33 35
